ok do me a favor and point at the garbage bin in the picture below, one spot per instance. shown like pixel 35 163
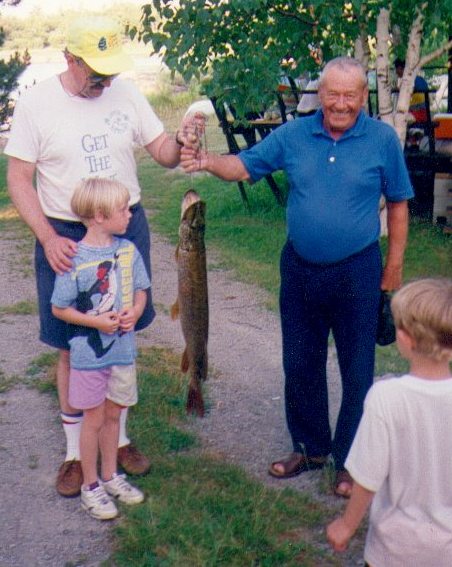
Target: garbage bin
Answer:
pixel 442 195
pixel 421 205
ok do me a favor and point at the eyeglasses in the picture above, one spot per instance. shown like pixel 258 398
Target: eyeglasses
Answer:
pixel 97 78
pixel 93 77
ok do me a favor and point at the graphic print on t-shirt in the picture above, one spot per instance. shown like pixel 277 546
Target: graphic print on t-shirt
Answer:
pixel 105 286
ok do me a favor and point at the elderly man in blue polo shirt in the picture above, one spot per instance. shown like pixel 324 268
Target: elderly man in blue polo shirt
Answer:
pixel 339 162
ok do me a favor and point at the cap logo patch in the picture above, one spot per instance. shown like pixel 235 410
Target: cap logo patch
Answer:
pixel 102 45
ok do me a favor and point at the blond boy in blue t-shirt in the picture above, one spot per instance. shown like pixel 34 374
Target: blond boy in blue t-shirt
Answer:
pixel 102 298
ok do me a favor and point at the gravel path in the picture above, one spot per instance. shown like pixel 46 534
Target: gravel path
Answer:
pixel 245 425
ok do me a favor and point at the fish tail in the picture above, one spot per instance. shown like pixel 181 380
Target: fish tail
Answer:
pixel 195 402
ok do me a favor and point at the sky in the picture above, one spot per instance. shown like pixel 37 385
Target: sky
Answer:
pixel 54 6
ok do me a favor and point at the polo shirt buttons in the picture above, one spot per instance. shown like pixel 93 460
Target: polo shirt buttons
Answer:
pixel 332 159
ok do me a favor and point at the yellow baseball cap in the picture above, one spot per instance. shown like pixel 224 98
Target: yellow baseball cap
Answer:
pixel 98 41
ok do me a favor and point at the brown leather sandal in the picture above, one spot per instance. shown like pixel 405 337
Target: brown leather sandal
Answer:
pixel 295 464
pixel 343 478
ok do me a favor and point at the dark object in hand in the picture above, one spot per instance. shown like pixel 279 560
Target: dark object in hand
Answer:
pixel 386 333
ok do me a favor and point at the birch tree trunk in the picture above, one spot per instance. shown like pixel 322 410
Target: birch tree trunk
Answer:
pixel 384 92
pixel 382 67
pixel 361 48
pixel 400 117
pixel 413 56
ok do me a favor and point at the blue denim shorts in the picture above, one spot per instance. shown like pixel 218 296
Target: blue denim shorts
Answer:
pixel 53 331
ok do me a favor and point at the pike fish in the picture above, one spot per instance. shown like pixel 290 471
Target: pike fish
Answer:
pixel 192 305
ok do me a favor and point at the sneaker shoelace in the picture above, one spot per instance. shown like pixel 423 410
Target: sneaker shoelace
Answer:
pixel 100 495
pixel 121 483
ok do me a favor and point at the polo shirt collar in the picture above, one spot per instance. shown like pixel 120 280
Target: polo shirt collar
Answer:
pixel 358 129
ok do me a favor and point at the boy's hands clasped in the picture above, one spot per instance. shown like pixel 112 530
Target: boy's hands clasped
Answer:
pixel 128 318
pixel 107 322
pixel 111 321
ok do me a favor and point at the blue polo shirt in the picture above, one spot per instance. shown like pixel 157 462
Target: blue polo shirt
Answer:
pixel 335 185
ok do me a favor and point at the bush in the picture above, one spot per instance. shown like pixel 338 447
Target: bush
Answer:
pixel 9 72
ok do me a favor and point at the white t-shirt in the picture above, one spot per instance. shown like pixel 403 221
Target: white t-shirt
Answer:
pixel 403 452
pixel 71 138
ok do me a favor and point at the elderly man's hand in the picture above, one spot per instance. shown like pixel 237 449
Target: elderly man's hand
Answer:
pixel 192 130
pixel 392 278
pixel 193 158
pixel 59 252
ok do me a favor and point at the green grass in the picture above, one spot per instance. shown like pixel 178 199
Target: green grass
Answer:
pixel 4 197
pixel 201 511
pixel 20 308
pixel 428 254
pixel 41 373
pixel 7 382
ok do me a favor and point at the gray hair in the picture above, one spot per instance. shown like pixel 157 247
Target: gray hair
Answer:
pixel 346 64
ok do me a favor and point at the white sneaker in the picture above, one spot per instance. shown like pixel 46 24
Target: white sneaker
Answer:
pixel 98 504
pixel 119 488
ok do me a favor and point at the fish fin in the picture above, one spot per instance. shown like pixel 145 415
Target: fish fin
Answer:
pixel 184 363
pixel 195 402
pixel 174 312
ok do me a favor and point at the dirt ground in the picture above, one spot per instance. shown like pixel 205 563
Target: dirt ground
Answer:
pixel 246 424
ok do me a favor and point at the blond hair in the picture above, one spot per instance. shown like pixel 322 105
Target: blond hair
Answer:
pixel 98 195
pixel 423 308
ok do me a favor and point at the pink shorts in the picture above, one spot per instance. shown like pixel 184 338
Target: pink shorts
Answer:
pixel 90 388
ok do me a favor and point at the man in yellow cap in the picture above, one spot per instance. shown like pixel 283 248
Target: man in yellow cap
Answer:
pixel 82 123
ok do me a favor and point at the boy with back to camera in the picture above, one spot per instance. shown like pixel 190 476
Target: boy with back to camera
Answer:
pixel 400 459
pixel 102 298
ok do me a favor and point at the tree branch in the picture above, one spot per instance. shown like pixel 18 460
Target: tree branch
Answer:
pixel 295 16
pixel 434 54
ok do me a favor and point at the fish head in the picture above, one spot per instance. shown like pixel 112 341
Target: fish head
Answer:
pixel 192 225
pixel 190 198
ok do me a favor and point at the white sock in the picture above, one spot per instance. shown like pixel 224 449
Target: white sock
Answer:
pixel 72 424
pixel 123 439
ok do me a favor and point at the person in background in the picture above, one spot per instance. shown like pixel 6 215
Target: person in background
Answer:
pixel 400 458
pixel 82 123
pixel 102 298
pixel 338 162
pixel 417 103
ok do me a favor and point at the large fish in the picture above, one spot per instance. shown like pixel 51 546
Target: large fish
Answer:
pixel 192 302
